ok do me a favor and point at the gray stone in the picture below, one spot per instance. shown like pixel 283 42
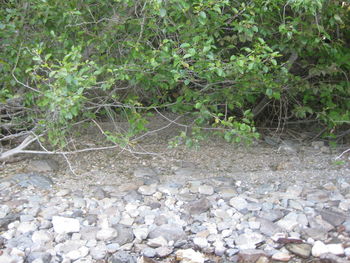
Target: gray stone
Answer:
pixel 21 242
pixel 254 206
pixel 43 256
pixel 99 252
pixel 145 171
pixel 4 222
pixel 132 196
pixel 238 203
pixel 125 235
pixel 248 240
pixel 187 172
pixel 149 252
pixel 4 210
pixel 43 166
pixel 169 232
pixel 272 215
pixel 198 207
pixel 40 181
pixel 316 233
pixel 122 257
pixel 332 217
pixel 301 250
pixel 250 255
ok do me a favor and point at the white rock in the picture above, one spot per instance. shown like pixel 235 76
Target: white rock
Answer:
pixel 254 224
pixel 281 256
pixel 141 233
pixel 200 242
pixel 347 251
pixel 238 203
pixel 78 253
pixel 98 252
pixel 4 210
pixel 25 227
pixel 65 225
pixel 157 242
pixel 189 256
pixel 41 237
pixel 319 248
pixel 206 190
pixel 248 240
pixel 106 234
pixel 147 189
pixel 336 249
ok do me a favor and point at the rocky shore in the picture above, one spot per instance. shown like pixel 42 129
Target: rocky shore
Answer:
pixel 218 219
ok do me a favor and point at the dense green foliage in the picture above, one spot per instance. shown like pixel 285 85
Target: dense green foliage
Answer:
pixel 229 63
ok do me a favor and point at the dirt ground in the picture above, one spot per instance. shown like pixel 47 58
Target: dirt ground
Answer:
pixel 259 164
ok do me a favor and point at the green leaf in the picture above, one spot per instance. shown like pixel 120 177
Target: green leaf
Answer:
pixel 162 12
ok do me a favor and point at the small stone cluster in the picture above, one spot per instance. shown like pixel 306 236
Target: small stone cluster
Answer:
pixel 192 222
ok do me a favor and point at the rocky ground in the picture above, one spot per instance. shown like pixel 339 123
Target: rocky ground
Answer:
pixel 283 202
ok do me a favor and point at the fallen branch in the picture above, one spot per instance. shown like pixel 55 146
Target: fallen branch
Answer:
pixel 19 149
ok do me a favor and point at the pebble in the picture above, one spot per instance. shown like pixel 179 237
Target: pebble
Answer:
pixel 153 220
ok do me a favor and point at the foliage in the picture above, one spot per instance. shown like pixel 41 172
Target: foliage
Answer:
pixel 217 60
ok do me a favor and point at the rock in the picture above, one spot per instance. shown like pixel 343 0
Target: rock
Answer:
pixel 288 222
pixel 201 242
pixel 125 235
pixel 187 172
pixel 42 237
pixel 336 249
pixel 316 233
pixel 301 250
pixel 189 256
pixel 250 255
pixel 40 181
pixel 65 225
pixel 331 258
pixel 281 256
pixel 318 249
pixel 147 189
pixel 43 166
pixel 141 233
pixel 163 251
pixel 107 234
pixel 145 171
pixel 149 252
pixel 271 215
pixel 25 227
pixel 198 207
pixel 206 189
pixel 98 252
pixel 332 217
pixel 121 257
pixel 238 203
pixel 39 257
pixel 248 240
pixel 254 206
pixel 157 242
pixel 4 210
pixel 145 259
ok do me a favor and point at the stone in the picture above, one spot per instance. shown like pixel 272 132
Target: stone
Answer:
pixel 149 252
pixel 316 233
pixel 271 215
pixel 121 257
pixel 250 255
pixel 248 240
pixel 157 242
pixel 238 203
pixel 43 166
pixel 288 222
pixel 42 237
pixel 201 242
pixel 147 189
pixel 267 227
pixel 319 248
pixel 163 251
pixel 33 179
pixel 125 235
pixel 187 171
pixel 206 189
pixel 98 252
pixel 336 249
pixel 39 257
pixel 141 233
pixel 332 217
pixel 281 256
pixel 189 256
pixel 145 171
pixel 4 210
pixel 253 206
pixel 302 250
pixel 25 227
pixel 106 234
pixel 65 224
pixel 198 207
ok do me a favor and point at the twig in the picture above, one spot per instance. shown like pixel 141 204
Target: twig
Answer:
pixel 338 157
